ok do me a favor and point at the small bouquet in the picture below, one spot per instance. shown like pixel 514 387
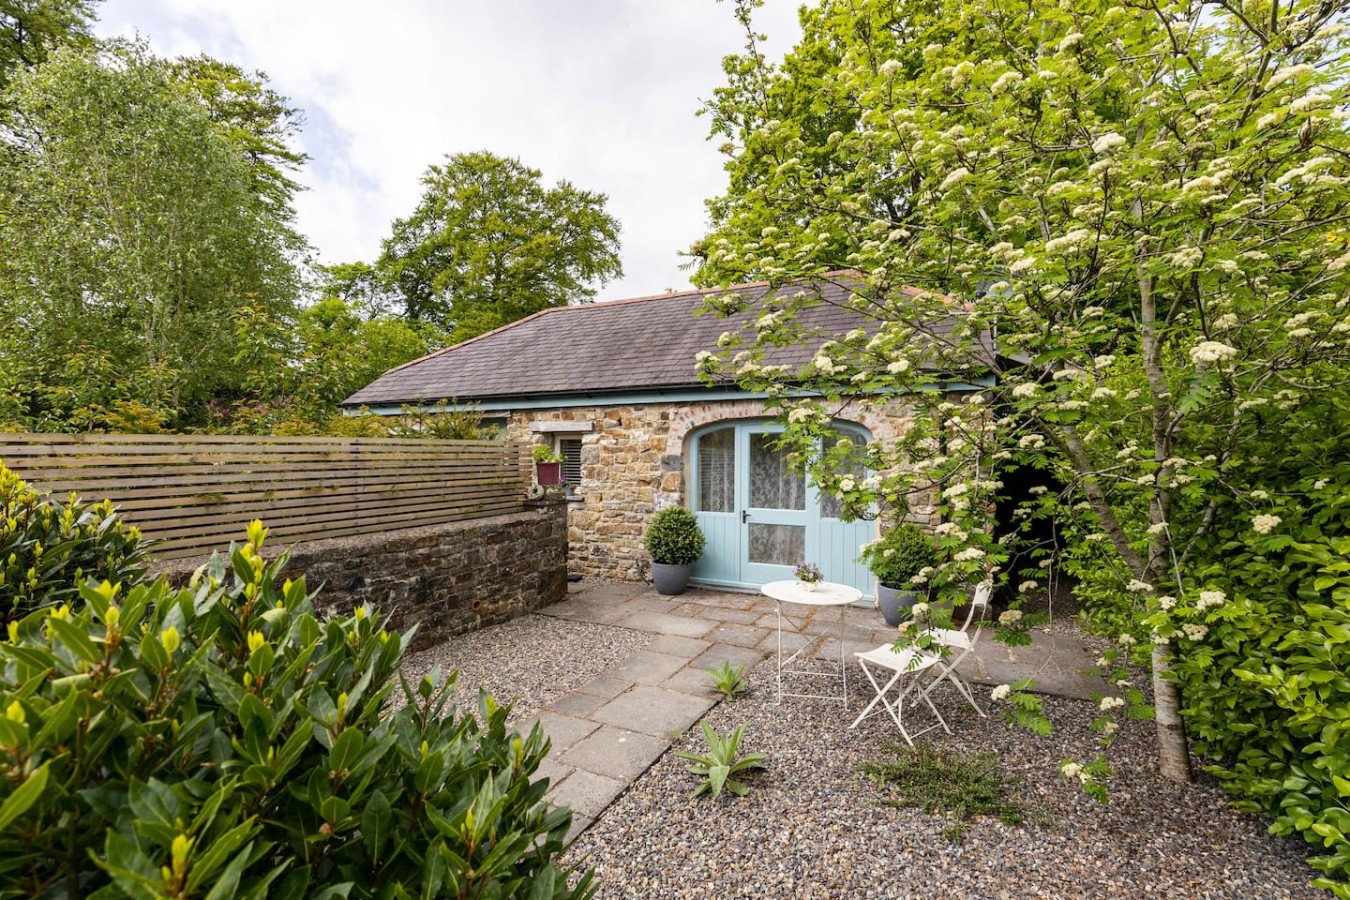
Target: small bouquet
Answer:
pixel 808 574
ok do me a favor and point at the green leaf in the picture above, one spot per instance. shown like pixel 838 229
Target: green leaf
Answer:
pixel 376 821
pixel 24 796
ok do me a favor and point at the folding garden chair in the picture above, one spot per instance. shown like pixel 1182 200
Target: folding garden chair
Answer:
pixel 906 665
pixel 961 642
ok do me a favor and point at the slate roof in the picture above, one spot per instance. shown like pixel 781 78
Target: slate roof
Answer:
pixel 643 344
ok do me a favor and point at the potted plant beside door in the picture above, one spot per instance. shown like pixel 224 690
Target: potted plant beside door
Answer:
pixel 898 559
pixel 674 543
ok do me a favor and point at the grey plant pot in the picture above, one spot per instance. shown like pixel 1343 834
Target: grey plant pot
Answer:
pixel 892 601
pixel 670 580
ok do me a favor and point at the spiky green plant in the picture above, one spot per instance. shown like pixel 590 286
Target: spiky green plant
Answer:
pixel 720 762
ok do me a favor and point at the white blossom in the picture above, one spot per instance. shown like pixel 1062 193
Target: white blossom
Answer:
pixel 1308 102
pixel 969 554
pixel 1136 585
pixel 1194 631
pixel 1287 73
pixel 1107 142
pixel 1109 703
pixel 957 175
pixel 1265 524
pixel 1010 618
pixel 1212 351
pixel 1001 692
pixel 1209 599
pixel 1071 40
pixel 1004 80
pixel 1028 585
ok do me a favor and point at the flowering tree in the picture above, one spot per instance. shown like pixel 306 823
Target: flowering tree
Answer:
pixel 1127 220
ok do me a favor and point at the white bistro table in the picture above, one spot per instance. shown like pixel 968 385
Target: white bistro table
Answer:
pixel 825 594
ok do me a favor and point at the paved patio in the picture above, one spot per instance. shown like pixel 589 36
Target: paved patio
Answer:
pixel 611 729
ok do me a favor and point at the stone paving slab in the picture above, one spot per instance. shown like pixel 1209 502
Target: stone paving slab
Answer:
pixel 577 704
pixel 617 753
pixel 606 686
pixel 654 602
pixel 654 711
pixel 664 623
pixel 648 667
pixel 741 616
pixel 564 731
pixel 579 609
pixel 586 792
pixel 717 654
pixel 555 772
pixel 691 680
pixel 738 635
pixel 1055 661
pixel 679 646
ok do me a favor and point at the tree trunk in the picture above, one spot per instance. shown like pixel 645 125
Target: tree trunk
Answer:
pixel 1174 758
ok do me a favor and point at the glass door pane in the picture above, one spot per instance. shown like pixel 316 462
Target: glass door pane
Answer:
pixel 773 484
pixel 777 545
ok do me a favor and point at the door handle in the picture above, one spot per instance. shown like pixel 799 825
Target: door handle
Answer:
pixel 745 516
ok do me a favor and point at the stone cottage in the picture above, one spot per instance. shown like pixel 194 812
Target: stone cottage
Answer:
pixel 613 387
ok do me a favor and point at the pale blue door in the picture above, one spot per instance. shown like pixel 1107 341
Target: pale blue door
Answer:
pixel 776 511
pixel 760 518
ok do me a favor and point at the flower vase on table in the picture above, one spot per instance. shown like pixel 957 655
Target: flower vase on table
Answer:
pixel 808 576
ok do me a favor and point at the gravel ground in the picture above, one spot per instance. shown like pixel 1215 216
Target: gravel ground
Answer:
pixel 535 659
pixel 811 827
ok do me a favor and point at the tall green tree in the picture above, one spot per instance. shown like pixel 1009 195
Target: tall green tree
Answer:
pixel 259 121
pixel 489 243
pixel 31 29
pixel 1128 217
pixel 130 228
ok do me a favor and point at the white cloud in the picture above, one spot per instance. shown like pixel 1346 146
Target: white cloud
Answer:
pixel 602 94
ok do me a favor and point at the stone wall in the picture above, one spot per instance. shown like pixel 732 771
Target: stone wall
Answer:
pixel 446 579
pixel 634 462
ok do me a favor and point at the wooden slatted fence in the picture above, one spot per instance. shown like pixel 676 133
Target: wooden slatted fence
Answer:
pixel 196 493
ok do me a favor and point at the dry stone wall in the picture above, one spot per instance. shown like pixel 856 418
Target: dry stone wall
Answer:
pixel 446 579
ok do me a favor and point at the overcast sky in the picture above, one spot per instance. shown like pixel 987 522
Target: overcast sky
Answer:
pixel 602 93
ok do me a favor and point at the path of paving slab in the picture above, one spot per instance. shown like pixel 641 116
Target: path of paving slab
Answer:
pixel 611 729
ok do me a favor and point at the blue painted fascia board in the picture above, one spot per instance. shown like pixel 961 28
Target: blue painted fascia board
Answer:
pixel 637 398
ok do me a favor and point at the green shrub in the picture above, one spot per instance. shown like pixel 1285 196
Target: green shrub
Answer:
pixel 899 555
pixel 674 538
pixel 1263 663
pixel 220 741
pixel 47 548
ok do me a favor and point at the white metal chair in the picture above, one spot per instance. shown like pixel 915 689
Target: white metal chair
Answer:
pixel 961 642
pixel 905 663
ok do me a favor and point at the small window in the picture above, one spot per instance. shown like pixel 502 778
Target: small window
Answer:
pixel 570 450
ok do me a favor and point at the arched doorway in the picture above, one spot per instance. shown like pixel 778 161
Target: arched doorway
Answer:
pixel 760 517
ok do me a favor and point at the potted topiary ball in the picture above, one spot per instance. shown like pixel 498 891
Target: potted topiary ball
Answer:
pixel 674 543
pixel 898 559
